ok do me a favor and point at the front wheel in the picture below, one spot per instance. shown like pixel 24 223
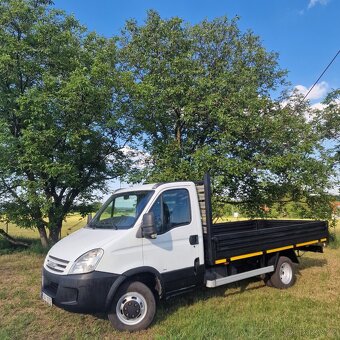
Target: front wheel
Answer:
pixel 133 307
pixel 284 275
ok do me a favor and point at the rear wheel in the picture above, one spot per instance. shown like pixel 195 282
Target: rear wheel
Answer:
pixel 284 275
pixel 133 307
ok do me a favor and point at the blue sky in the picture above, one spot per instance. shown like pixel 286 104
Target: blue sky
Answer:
pixel 305 33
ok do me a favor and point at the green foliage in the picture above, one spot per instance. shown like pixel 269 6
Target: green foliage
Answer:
pixel 330 116
pixel 201 98
pixel 334 235
pixel 195 98
pixel 60 129
pixel 334 241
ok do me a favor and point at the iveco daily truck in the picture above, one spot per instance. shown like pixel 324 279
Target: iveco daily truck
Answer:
pixel 158 240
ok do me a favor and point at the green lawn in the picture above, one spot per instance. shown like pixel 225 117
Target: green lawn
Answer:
pixel 247 310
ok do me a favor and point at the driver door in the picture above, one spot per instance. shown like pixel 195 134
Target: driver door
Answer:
pixel 172 253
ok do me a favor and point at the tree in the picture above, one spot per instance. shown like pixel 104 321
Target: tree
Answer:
pixel 328 122
pixel 60 129
pixel 329 118
pixel 202 99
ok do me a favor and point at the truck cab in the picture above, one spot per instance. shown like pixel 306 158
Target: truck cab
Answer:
pixel 83 271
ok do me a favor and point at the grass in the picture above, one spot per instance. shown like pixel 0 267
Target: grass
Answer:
pixel 246 310
pixel 72 223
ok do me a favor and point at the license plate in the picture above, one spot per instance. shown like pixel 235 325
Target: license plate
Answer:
pixel 47 299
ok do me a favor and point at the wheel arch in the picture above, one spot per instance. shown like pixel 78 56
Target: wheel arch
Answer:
pixel 274 258
pixel 147 275
pixel 290 253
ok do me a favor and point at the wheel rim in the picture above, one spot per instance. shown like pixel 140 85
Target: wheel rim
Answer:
pixel 131 308
pixel 286 273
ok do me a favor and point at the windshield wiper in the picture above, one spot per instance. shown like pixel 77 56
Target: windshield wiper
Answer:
pixel 103 225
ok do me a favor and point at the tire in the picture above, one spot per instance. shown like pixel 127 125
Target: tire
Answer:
pixel 284 275
pixel 268 276
pixel 133 307
pixel 267 280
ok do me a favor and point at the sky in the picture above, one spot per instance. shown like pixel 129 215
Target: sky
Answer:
pixel 305 33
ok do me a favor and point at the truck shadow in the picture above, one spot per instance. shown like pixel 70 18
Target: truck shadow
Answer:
pixel 171 305
pixel 201 294
pixel 307 262
pixel 167 307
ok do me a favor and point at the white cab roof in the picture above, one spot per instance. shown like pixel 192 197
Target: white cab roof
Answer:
pixel 152 186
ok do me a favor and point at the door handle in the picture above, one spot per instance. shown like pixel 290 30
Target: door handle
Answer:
pixel 193 239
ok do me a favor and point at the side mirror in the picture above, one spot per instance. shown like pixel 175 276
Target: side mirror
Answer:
pixel 89 218
pixel 148 226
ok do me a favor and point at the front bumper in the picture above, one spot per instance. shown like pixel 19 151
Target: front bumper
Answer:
pixel 84 293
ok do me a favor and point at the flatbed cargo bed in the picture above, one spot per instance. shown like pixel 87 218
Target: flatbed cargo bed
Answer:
pixel 229 241
pixel 233 239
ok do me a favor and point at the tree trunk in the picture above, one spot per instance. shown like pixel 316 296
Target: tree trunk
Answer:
pixel 179 136
pixel 43 236
pixel 12 240
pixel 178 129
pixel 55 230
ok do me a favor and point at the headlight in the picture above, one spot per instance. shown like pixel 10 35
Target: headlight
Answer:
pixel 87 262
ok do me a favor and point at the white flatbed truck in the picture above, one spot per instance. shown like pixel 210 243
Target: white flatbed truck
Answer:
pixel 158 240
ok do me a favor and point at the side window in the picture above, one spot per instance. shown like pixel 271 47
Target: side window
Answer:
pixel 172 209
pixel 157 211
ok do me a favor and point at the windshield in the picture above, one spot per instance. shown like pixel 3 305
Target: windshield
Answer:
pixel 121 211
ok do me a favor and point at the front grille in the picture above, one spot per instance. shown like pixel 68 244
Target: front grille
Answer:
pixel 55 264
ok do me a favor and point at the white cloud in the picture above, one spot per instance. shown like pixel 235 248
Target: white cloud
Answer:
pixel 318 106
pixel 311 114
pixel 318 92
pixel 138 157
pixel 312 3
